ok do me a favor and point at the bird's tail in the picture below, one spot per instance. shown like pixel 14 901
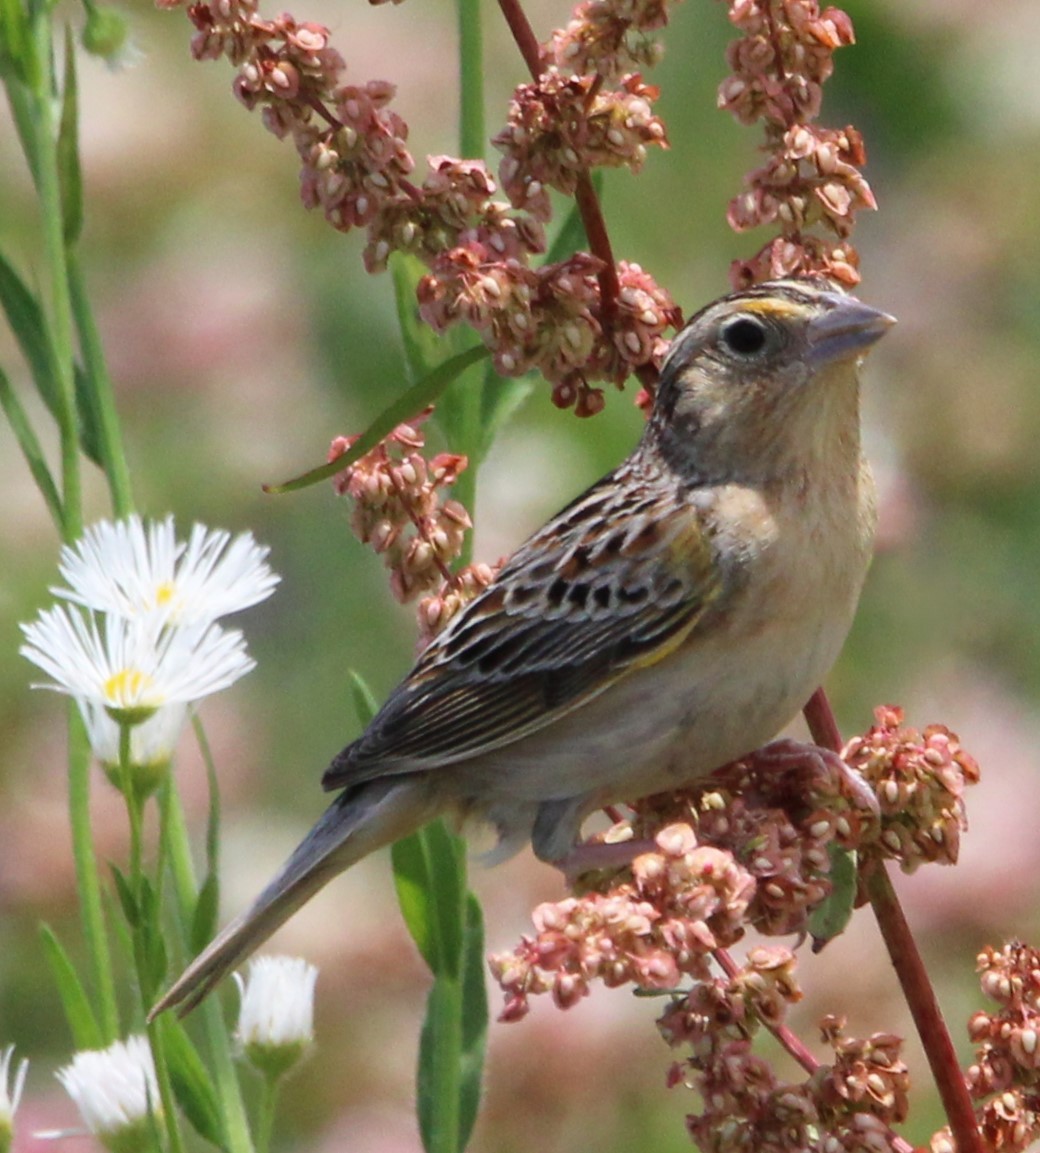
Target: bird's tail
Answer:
pixel 356 823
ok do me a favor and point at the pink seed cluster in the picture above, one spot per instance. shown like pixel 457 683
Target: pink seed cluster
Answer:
pixel 560 126
pixel 751 847
pixel 812 177
pixel 577 321
pixel 1005 1076
pixel 683 900
pixel 919 779
pixel 851 1103
pixel 609 37
pixel 748 848
pixel 399 508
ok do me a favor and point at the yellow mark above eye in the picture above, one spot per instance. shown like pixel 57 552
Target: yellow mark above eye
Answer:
pixel 774 307
pixel 127 688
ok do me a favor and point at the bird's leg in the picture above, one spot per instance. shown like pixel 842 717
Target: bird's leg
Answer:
pixel 600 856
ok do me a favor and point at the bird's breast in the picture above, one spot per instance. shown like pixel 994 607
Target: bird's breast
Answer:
pixel 792 573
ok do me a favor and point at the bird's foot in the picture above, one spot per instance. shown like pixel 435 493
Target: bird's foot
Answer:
pixel 601 857
pixel 786 754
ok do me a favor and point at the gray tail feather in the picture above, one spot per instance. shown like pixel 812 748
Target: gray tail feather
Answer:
pixel 356 823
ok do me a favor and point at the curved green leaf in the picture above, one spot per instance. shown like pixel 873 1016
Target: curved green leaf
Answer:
pixel 86 1033
pixel 407 406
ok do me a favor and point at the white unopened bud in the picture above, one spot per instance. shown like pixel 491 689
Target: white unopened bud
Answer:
pixel 276 1020
pixel 116 1093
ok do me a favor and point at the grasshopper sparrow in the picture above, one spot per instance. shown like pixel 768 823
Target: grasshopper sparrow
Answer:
pixel 672 618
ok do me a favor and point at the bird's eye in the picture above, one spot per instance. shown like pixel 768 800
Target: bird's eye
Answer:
pixel 744 335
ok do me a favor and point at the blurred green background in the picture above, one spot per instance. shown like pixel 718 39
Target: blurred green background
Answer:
pixel 243 335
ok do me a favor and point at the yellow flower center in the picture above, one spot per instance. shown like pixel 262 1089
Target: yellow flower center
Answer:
pixel 128 688
pixel 165 594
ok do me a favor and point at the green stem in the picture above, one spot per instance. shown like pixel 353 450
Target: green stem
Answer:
pixel 142 930
pixel 236 1123
pixel 471 80
pixel 445 1082
pixel 87 882
pixel 45 130
pixel 265 1120
pixel 133 810
pixel 470 386
pixel 162 1077
pixel 113 454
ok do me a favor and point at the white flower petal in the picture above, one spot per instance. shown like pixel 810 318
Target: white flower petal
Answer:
pixel 114 1088
pixel 133 664
pixel 10 1093
pixel 277 1003
pixel 130 569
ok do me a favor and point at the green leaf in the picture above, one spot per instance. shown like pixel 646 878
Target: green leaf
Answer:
pixel 434 1081
pixel 423 347
pixel 474 1020
pixel 127 898
pixel 86 1033
pixel 452 1045
pixel 89 416
pixel 16 57
pixel 69 174
pixel 192 1085
pixel 18 419
pixel 412 882
pixel 365 704
pixel 830 919
pixel 204 922
pixel 407 405
pixel 29 327
pixel 428 877
pixel 156 960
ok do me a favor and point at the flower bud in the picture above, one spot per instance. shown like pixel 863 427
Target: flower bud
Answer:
pixel 105 33
pixel 116 1092
pixel 276 1019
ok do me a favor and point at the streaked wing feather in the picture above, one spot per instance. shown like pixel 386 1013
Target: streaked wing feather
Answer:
pixel 608 585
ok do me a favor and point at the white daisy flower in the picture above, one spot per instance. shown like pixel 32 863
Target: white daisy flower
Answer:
pixel 10 1095
pixel 276 1019
pixel 115 1091
pixel 131 569
pixel 133 667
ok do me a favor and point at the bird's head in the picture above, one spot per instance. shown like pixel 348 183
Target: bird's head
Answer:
pixel 765 375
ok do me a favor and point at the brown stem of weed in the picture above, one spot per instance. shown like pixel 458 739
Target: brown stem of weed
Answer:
pixel 909 966
pixel 585 194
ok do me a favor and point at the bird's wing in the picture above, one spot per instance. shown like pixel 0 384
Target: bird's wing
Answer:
pixel 613 583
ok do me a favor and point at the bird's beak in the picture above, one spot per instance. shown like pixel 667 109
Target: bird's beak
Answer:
pixel 846 330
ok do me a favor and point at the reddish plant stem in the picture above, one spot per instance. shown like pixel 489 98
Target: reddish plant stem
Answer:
pixel 909 967
pixel 422 530
pixel 524 35
pixel 795 1046
pixel 787 1037
pixel 920 996
pixel 599 243
pixel 585 194
pixel 819 716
